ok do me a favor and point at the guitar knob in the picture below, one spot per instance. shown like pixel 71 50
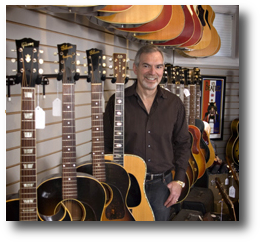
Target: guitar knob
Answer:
pixel 59 76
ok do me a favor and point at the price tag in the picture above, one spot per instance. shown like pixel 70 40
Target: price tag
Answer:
pixel 226 181
pixel 186 92
pixel 39 118
pixel 232 192
pixel 56 107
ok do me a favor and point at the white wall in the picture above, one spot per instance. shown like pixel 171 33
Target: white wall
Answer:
pixel 51 30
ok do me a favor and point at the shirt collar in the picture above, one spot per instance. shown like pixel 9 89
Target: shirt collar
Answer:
pixel 131 91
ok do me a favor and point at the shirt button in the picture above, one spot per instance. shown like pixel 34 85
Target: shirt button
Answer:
pixel 149 160
pixel 149 146
pixel 149 131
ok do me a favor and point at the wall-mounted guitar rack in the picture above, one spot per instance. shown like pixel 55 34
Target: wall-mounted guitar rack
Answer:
pixel 44 80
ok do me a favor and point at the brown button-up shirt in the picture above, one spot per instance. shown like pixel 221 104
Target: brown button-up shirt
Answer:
pixel 161 137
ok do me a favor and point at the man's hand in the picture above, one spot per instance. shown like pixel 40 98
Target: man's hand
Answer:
pixel 175 192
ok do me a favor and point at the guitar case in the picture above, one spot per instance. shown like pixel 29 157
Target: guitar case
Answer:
pixel 188 215
pixel 199 199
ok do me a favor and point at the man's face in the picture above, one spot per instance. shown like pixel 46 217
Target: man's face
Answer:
pixel 150 70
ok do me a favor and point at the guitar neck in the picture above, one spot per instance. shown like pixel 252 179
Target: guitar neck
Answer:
pixel 69 178
pixel 186 102
pixel 198 101
pixel 118 152
pixel 98 149
pixel 192 104
pixel 28 180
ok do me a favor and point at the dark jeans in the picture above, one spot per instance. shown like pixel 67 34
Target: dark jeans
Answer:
pixel 157 193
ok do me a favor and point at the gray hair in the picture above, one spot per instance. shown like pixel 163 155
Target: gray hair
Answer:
pixel 146 49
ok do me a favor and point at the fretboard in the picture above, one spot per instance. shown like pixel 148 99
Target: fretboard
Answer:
pixel 28 175
pixel 186 102
pixel 198 101
pixel 98 149
pixel 118 152
pixel 69 176
pixel 192 104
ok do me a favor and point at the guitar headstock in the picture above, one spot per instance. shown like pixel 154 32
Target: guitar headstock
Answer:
pixel 187 76
pixel 67 62
pixel 170 72
pixel 27 61
pixel 119 63
pixel 95 67
pixel 196 76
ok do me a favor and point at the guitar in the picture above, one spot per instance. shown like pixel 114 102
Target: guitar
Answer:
pixel 134 15
pixel 82 196
pixel 232 147
pixel 196 134
pixel 227 200
pixel 111 174
pixel 173 29
pixel 134 165
pixel 24 208
pixel 188 30
pixel 215 43
pixel 114 8
pixel 173 77
pixel 155 25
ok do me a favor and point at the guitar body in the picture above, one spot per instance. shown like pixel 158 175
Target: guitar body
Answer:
pixel 206 138
pixel 232 148
pixel 115 8
pixel 187 32
pixel 12 212
pixel 171 31
pixel 196 151
pixel 155 25
pixel 193 164
pixel 137 201
pixel 203 146
pixel 134 15
pixel 197 34
pixel 118 182
pixel 88 206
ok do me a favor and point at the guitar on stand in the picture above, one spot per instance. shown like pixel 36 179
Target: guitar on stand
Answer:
pixel 112 175
pixel 134 165
pixel 24 208
pixel 80 195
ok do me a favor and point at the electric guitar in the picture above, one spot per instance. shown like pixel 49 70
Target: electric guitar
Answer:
pixel 112 175
pixel 82 195
pixel 24 208
pixel 134 165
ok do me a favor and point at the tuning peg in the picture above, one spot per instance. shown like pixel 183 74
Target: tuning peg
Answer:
pixel 126 79
pixel 59 76
pixel 76 76
pixel 103 77
pixel 88 79
pixel 113 80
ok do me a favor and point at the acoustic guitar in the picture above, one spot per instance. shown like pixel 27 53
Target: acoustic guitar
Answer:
pixel 154 25
pixel 82 195
pixel 24 208
pixel 172 30
pixel 112 175
pixel 215 43
pixel 134 165
pixel 134 15
pixel 114 8
pixel 188 30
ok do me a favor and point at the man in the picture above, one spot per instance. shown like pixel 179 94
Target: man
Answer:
pixel 155 129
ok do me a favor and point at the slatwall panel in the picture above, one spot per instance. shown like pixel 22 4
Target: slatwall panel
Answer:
pixel 52 30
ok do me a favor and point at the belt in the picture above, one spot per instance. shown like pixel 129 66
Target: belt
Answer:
pixel 150 176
